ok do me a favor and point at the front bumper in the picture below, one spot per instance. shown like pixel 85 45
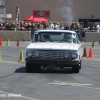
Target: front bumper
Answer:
pixel 45 62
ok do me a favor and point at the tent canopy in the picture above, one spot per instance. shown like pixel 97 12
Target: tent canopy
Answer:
pixel 31 18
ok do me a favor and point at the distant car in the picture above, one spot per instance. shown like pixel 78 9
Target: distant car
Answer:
pixel 61 48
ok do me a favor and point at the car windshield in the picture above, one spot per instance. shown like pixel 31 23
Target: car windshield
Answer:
pixel 54 37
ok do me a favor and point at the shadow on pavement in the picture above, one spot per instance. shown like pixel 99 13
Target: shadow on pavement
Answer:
pixel 47 70
pixel 20 70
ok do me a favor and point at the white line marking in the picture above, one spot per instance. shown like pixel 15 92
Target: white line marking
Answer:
pixel 21 96
pixel 75 84
pixel 92 88
pixel 18 86
pixel 12 62
pixel 69 84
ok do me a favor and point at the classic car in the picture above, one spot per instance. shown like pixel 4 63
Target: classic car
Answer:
pixel 60 48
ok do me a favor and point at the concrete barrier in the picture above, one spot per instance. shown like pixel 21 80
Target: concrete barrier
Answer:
pixel 26 36
pixel 15 35
pixel 92 36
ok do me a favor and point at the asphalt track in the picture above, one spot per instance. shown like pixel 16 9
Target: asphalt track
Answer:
pixel 50 84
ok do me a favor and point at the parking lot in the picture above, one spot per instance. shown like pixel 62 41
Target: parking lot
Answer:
pixel 51 83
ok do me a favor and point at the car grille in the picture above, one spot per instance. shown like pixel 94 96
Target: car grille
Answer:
pixel 52 54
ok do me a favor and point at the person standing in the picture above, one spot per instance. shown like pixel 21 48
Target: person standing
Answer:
pixel 66 27
pixel 51 26
pixel 98 28
pixel 33 28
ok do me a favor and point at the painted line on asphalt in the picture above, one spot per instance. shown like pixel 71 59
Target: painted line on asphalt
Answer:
pixel 18 86
pixel 75 84
pixel 70 84
pixel 20 97
pixel 92 88
pixel 12 62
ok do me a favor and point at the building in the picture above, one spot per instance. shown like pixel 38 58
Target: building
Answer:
pixel 60 10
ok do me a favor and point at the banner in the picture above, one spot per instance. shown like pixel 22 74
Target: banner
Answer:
pixel 41 13
pixel 2 7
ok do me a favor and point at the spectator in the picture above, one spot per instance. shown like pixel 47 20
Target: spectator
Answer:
pixel 1 26
pixel 56 27
pixel 51 26
pixel 66 27
pixel 61 27
pixel 33 28
pixel 41 26
pixel 7 26
pixel 38 25
pixel 28 26
pixel 22 26
pixel 97 27
pixel 44 26
pixel 13 27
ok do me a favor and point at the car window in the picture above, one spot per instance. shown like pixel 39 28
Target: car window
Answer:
pixel 54 37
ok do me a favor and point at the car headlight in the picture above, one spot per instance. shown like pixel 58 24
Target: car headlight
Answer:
pixel 74 55
pixel 36 54
pixel 66 55
pixel 29 54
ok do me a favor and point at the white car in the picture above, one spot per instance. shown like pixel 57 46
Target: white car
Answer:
pixel 61 48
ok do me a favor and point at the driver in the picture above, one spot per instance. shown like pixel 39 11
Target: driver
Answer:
pixel 67 38
pixel 46 37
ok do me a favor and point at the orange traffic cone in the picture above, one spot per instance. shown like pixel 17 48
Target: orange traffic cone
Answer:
pixel 85 53
pixel 90 53
pixel 18 44
pixel 1 44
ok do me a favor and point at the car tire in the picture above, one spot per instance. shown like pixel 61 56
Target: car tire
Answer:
pixel 76 68
pixel 32 68
pixel 36 68
pixel 28 68
pixel 80 65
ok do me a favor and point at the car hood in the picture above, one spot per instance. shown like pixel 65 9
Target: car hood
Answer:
pixel 53 46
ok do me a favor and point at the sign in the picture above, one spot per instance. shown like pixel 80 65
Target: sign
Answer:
pixel 35 13
pixel 2 7
pixel 47 13
pixel 5 15
pixel 41 13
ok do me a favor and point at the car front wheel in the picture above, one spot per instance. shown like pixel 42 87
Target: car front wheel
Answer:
pixel 28 68
pixel 76 68
pixel 32 68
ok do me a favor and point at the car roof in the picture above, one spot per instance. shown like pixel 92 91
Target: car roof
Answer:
pixel 56 31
